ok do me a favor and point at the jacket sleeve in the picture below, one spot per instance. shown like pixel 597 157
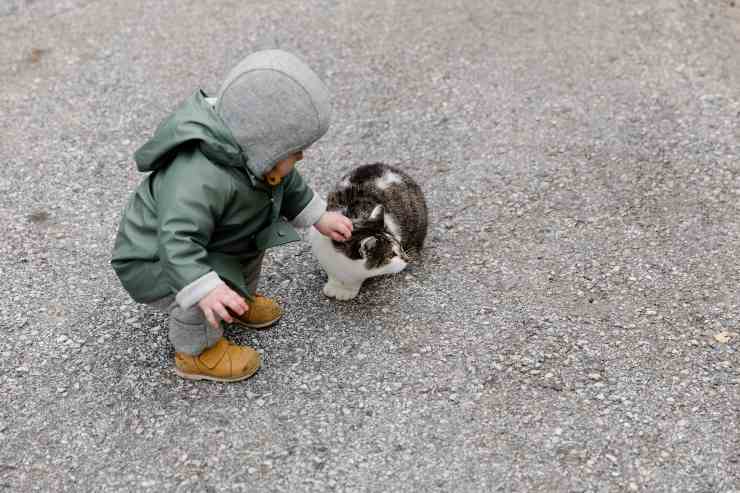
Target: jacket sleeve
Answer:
pixel 188 206
pixel 301 205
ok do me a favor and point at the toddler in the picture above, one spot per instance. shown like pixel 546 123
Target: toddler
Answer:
pixel 221 187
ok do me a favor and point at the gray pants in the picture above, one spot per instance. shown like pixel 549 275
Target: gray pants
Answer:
pixel 189 330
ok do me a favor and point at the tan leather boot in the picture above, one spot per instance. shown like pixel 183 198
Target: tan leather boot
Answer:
pixel 223 362
pixel 263 312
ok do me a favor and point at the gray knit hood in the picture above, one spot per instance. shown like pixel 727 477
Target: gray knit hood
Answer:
pixel 274 105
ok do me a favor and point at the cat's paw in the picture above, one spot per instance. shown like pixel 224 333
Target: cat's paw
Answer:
pixel 340 291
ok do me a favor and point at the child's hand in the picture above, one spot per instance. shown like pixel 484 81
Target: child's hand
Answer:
pixel 335 226
pixel 215 304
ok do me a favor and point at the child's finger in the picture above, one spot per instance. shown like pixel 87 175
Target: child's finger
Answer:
pixel 237 305
pixel 222 312
pixel 211 319
pixel 241 302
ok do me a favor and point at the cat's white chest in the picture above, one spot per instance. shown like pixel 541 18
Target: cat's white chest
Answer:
pixel 345 276
pixel 335 264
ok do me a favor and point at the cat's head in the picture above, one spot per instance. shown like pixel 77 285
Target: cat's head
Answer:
pixel 374 244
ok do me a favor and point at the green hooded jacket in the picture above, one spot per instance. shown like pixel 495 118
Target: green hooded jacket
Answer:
pixel 200 209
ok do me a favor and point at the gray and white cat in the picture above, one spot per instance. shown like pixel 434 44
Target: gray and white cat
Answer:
pixel 389 220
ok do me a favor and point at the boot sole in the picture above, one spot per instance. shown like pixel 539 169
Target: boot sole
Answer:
pixel 263 325
pixel 191 376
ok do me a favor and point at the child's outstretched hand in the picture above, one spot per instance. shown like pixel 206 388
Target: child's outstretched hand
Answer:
pixel 216 302
pixel 335 226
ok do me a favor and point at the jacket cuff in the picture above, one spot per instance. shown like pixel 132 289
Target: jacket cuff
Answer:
pixel 311 213
pixel 196 290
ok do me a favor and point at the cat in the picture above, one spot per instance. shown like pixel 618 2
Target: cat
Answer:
pixel 389 221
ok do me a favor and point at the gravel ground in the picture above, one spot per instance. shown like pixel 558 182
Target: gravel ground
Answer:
pixel 573 325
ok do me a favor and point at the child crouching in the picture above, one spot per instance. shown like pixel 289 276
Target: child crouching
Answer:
pixel 222 185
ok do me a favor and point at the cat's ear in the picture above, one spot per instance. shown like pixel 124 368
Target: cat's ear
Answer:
pixel 377 216
pixel 367 244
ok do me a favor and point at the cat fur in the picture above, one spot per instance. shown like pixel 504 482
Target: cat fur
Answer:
pixel 389 217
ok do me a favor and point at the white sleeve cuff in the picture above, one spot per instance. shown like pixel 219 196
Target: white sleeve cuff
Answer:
pixel 196 290
pixel 311 213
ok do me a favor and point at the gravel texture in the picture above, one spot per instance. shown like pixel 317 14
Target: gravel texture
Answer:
pixel 573 325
